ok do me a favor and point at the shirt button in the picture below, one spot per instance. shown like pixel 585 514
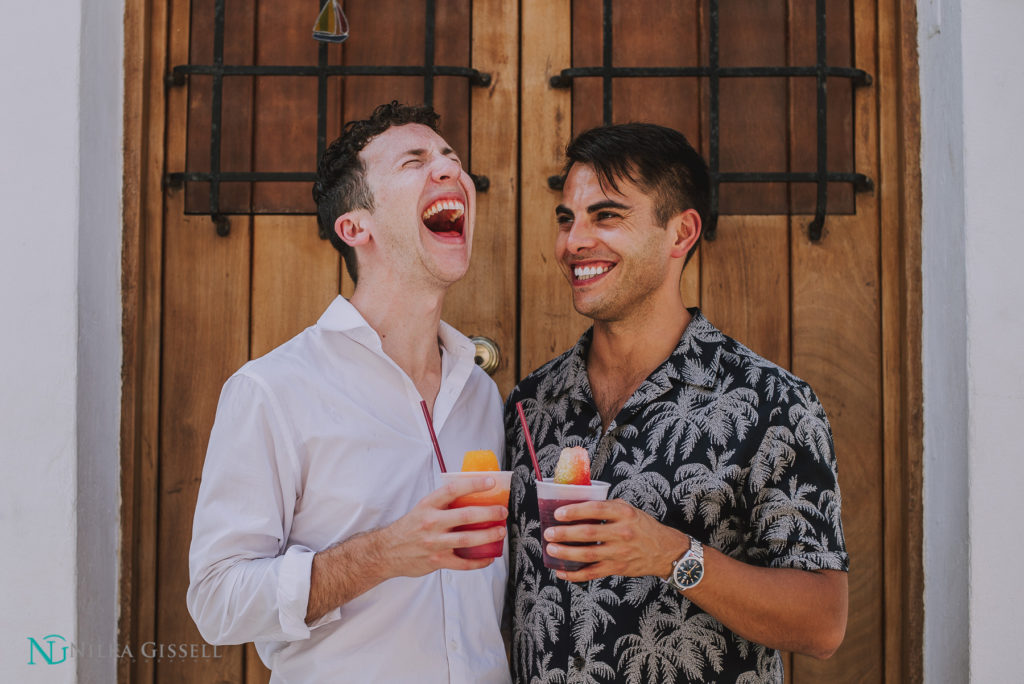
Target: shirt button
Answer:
pixel 454 645
pixel 579 662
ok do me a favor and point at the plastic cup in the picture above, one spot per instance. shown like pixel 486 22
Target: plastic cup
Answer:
pixel 550 497
pixel 496 496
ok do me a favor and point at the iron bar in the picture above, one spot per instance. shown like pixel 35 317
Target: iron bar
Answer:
pixel 178 74
pixel 428 56
pixel 606 60
pixel 216 105
pixel 711 230
pixel 713 71
pixel 565 77
pixel 817 225
pixel 322 71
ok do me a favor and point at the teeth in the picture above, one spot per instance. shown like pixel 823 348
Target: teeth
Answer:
pixel 445 205
pixel 588 272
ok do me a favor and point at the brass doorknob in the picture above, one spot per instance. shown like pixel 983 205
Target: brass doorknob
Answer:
pixel 488 355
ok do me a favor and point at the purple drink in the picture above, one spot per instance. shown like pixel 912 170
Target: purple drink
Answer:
pixel 550 497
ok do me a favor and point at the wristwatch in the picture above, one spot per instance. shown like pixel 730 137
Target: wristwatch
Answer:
pixel 688 571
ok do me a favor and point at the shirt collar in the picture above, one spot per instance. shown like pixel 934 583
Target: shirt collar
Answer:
pixel 342 317
pixel 696 361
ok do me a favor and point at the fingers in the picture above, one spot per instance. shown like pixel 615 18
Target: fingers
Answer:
pixel 595 510
pixel 460 539
pixel 453 489
pixel 472 515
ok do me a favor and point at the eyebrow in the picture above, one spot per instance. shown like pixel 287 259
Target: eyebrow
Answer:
pixel 420 152
pixel 598 206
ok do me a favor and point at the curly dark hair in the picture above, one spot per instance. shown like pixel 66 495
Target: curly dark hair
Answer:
pixel 340 184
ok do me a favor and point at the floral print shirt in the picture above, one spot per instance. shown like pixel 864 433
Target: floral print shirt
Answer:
pixel 718 443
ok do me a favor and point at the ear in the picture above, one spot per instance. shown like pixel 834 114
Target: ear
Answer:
pixel 685 228
pixel 351 228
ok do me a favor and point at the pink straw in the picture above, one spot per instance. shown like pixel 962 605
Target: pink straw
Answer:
pixel 430 426
pixel 529 442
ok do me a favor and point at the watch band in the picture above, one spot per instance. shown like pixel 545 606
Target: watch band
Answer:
pixel 694 556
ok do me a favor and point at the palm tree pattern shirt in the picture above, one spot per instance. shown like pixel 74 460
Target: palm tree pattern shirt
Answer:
pixel 718 443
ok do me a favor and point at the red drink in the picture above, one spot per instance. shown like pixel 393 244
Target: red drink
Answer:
pixel 496 496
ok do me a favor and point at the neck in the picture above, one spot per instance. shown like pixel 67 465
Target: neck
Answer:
pixel 408 321
pixel 623 353
pixel 639 344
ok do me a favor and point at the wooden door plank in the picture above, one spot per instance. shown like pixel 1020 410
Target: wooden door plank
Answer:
pixel 294 278
pixel 145 65
pixel 377 39
pixel 204 329
pixel 752 111
pixel 285 107
pixel 548 323
pixel 837 328
pixel 205 335
pixel 746 285
pixel 900 215
pixel 484 302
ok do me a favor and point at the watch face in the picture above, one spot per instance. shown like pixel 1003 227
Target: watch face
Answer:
pixel 689 572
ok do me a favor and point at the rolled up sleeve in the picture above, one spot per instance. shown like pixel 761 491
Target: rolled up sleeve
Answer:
pixel 246 583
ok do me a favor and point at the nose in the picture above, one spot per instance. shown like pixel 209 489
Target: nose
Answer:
pixel 445 168
pixel 580 237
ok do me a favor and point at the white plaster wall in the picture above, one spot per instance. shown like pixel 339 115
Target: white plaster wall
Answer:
pixel 993 85
pixel 944 344
pixel 60 183
pixel 101 156
pixel 972 88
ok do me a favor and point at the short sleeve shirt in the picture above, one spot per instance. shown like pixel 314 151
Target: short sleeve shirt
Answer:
pixel 718 443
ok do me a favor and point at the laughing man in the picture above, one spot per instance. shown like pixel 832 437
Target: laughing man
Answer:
pixel 322 532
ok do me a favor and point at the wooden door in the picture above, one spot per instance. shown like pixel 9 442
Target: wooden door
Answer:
pixel 837 311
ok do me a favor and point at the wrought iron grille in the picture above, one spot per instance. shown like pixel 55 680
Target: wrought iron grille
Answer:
pixel 322 71
pixel 713 72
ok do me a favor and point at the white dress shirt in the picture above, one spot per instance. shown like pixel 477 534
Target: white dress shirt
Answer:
pixel 321 439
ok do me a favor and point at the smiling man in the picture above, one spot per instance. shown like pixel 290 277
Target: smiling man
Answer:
pixel 322 531
pixel 721 541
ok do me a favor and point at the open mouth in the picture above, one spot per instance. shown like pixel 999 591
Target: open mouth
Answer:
pixel 445 217
pixel 583 274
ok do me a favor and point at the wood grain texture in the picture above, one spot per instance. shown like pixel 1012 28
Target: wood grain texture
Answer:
pixel 145 54
pixel 205 337
pixel 746 284
pixel 284 107
pixel 752 111
pixel 836 330
pixel 548 323
pixel 205 293
pixel 485 301
pixel 900 209
pixel 294 278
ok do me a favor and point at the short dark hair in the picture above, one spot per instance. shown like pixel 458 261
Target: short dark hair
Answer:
pixel 340 184
pixel 659 160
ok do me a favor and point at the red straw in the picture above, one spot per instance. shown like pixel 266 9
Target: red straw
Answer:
pixel 430 426
pixel 529 442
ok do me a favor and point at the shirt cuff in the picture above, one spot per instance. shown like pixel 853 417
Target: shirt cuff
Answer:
pixel 293 579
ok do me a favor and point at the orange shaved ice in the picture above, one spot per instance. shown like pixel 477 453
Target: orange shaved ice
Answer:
pixel 480 461
pixel 573 467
